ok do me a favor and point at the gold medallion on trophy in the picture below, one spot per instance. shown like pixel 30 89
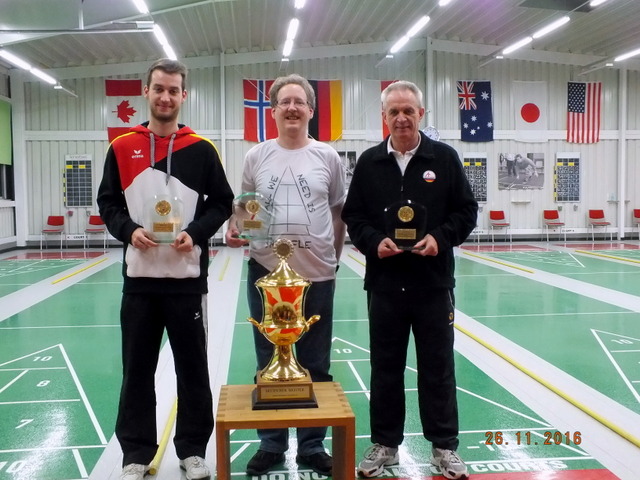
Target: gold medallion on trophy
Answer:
pixel 405 214
pixel 163 208
pixel 252 206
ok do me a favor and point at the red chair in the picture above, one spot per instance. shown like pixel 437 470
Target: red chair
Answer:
pixel 636 219
pixel 95 226
pixel 551 219
pixel 497 220
pixel 598 220
pixel 54 226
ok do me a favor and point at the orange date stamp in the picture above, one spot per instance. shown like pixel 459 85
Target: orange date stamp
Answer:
pixel 532 438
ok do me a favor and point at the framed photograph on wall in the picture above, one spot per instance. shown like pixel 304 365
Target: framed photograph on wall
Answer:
pixel 520 171
pixel 348 159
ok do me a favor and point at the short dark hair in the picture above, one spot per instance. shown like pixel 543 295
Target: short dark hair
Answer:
pixel 168 66
pixel 296 79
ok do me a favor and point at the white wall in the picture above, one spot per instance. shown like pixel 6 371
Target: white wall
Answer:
pixel 55 124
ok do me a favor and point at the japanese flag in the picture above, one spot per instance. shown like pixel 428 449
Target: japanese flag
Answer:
pixel 125 106
pixel 530 107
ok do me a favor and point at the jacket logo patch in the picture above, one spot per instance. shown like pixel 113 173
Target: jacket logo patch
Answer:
pixel 137 154
pixel 429 176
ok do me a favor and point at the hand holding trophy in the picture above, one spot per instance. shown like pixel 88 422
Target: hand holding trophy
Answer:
pixel 405 223
pixel 252 217
pixel 163 218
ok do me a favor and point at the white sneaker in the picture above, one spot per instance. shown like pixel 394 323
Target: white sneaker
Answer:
pixel 376 457
pixel 195 468
pixel 450 463
pixel 134 471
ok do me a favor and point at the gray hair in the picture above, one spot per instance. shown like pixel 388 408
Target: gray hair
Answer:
pixel 401 85
pixel 296 79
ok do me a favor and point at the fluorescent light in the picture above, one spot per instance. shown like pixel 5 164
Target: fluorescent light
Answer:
pixel 399 44
pixel 141 6
pixel 298 4
pixel 444 3
pixel 288 46
pixel 595 3
pixel 144 24
pixel 168 51
pixel 419 25
pixel 157 30
pixel 552 26
pixel 293 28
pixel 17 61
pixel 517 45
pixel 624 56
pixel 43 76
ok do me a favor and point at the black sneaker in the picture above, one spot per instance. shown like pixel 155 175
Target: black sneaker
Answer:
pixel 263 461
pixel 320 462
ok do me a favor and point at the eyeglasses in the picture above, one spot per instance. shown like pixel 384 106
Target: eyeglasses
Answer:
pixel 297 102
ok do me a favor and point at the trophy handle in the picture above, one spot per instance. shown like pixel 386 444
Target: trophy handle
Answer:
pixel 256 324
pixel 310 322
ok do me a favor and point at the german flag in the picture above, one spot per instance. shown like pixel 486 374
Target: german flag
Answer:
pixel 326 124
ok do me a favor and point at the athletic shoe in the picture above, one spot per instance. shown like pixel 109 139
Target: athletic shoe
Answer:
pixel 450 464
pixel 195 468
pixel 263 461
pixel 375 459
pixel 133 471
pixel 320 462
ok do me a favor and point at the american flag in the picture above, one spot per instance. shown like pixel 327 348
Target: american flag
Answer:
pixel 476 114
pixel 584 105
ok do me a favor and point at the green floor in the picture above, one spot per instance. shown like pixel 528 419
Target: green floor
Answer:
pixel 60 363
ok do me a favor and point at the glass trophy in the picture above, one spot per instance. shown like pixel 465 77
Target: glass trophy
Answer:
pixel 252 216
pixel 163 218
pixel 405 223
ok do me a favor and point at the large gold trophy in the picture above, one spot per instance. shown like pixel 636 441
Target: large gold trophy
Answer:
pixel 283 383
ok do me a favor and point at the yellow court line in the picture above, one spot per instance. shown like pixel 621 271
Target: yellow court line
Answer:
pixel 620 431
pixel 154 466
pixel 613 257
pixel 489 259
pixel 224 269
pixel 357 260
pixel 78 271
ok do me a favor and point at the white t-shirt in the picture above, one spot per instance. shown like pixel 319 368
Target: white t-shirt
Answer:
pixel 300 187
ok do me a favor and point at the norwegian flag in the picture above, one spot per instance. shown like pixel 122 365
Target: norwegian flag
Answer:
pixel 258 123
pixel 124 105
pixel 476 113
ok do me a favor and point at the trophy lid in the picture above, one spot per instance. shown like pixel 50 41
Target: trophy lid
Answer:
pixel 283 275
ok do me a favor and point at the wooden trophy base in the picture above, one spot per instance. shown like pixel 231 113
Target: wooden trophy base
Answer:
pixel 276 395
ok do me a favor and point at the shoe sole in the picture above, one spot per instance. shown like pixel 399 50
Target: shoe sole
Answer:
pixel 464 476
pixel 378 471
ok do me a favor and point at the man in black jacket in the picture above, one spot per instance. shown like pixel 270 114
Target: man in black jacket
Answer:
pixel 410 289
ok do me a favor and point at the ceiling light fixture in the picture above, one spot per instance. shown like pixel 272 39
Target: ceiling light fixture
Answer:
pixel 298 4
pixel 162 39
pixel 444 3
pixel 20 63
pixel 624 56
pixel 517 45
pixel 595 3
pixel 292 31
pixel 551 27
pixel 141 6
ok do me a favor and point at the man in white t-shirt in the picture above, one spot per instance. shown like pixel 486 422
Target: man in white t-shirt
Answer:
pixel 303 183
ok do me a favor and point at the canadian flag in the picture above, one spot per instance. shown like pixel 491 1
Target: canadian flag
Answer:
pixel 124 106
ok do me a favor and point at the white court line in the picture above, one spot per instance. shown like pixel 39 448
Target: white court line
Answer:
pixel 13 381
pixel 28 402
pixel 80 463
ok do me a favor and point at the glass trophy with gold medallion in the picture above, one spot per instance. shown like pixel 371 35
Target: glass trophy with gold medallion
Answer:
pixel 252 216
pixel 405 223
pixel 163 218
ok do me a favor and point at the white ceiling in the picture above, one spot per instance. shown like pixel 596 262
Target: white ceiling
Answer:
pixel 65 33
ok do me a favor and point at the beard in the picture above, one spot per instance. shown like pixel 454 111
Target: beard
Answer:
pixel 168 117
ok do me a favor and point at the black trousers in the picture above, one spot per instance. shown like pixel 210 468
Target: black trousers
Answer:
pixel 143 319
pixel 392 317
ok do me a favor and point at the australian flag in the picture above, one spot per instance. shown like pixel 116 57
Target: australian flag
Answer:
pixel 476 114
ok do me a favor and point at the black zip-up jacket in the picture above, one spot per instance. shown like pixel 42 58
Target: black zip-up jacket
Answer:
pixel 434 178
